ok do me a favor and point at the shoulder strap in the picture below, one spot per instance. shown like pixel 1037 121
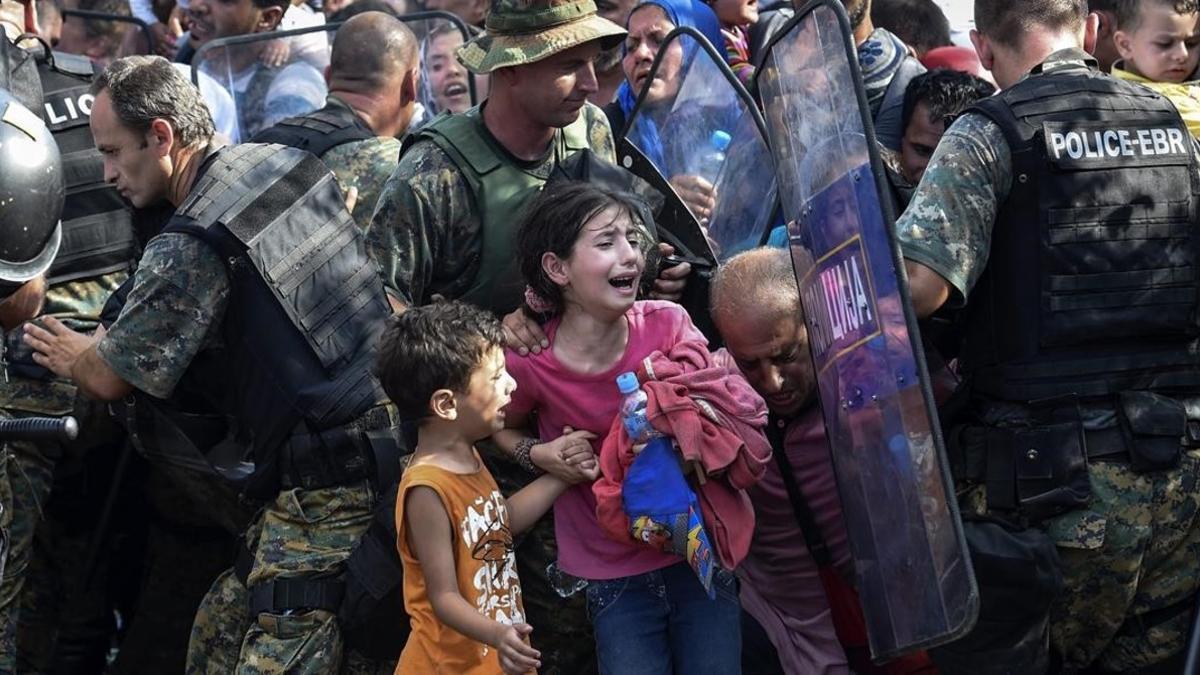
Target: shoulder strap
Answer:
pixel 804 515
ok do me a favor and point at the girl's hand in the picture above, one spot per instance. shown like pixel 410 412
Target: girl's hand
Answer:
pixel 516 657
pixel 565 456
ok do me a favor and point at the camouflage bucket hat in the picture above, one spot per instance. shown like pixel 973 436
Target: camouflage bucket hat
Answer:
pixel 524 31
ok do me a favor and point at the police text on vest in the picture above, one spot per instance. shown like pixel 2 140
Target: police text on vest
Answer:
pixel 1114 143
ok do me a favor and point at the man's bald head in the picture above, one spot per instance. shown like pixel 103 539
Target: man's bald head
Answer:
pixel 759 281
pixel 371 52
pixel 756 307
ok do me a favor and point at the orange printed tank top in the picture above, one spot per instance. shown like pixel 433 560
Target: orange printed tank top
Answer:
pixel 486 572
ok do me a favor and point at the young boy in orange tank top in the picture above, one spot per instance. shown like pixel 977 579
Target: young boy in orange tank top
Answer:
pixel 443 364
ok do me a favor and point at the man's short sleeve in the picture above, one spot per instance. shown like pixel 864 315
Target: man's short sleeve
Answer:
pixel 948 225
pixel 424 233
pixel 174 309
pixel 365 165
pixel 600 135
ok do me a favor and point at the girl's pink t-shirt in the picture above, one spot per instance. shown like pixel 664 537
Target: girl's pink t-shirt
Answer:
pixel 563 397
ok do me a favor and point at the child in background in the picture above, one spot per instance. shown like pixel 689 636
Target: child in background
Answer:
pixel 736 17
pixel 1158 44
pixel 443 365
pixel 582 250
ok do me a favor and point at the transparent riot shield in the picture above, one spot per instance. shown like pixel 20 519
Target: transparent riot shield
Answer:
pixel 103 37
pixel 700 130
pixel 268 76
pixel 446 85
pixel 914 575
pixel 276 75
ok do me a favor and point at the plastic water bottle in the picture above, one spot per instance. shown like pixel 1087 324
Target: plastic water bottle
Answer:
pixel 633 409
pixel 709 163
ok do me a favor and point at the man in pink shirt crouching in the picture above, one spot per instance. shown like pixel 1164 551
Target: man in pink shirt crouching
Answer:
pixel 756 308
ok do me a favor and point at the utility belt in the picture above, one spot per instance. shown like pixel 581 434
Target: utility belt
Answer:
pixel 367 597
pixel 1038 467
pixel 365 449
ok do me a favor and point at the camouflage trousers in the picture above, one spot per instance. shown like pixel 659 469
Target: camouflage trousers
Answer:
pixel 561 628
pixel 1133 555
pixel 302 533
pixel 26 473
pixel 221 623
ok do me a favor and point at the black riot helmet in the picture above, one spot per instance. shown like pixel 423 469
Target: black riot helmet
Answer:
pixel 31 195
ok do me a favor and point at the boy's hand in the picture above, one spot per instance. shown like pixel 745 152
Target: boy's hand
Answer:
pixel 590 470
pixel 516 656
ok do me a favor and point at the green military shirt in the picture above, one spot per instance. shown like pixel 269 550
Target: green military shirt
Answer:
pixel 173 311
pixel 426 233
pixel 364 164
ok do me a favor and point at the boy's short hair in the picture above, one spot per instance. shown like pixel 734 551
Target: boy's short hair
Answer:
pixel 1129 12
pixel 945 92
pixel 433 347
pixel 921 24
pixel 1008 21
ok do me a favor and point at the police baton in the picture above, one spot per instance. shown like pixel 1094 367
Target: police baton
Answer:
pixel 39 429
pixel 1193 650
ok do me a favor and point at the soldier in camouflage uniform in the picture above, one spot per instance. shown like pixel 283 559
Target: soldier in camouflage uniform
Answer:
pixel 176 326
pixel 31 201
pixel 29 467
pixel 1067 431
pixel 373 83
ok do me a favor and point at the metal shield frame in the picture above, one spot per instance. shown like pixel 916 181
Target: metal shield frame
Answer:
pixel 412 17
pixel 632 158
pixel 879 427
pixel 102 16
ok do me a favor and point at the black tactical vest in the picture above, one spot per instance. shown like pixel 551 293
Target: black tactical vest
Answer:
pixel 98 235
pixel 1091 284
pixel 319 131
pixel 306 304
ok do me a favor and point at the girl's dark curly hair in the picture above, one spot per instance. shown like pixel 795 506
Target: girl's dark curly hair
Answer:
pixel 553 221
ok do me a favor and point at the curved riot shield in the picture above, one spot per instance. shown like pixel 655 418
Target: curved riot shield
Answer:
pixel 103 37
pixel 276 75
pixel 914 574
pixel 698 128
pixel 269 76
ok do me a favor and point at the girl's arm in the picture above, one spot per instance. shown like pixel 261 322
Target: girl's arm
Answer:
pixel 569 457
pixel 431 537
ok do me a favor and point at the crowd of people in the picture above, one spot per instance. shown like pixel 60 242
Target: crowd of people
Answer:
pixel 476 337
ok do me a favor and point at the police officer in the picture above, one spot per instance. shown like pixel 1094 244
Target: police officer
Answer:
pixel 261 279
pixel 373 80
pixel 1062 212
pixel 31 201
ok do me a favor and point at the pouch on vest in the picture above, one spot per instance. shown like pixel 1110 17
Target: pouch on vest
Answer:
pixel 1041 469
pixel 1019 577
pixel 1154 427
pixel 372 614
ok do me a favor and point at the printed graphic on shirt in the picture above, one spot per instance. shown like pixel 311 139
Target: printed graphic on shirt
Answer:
pixel 496 589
